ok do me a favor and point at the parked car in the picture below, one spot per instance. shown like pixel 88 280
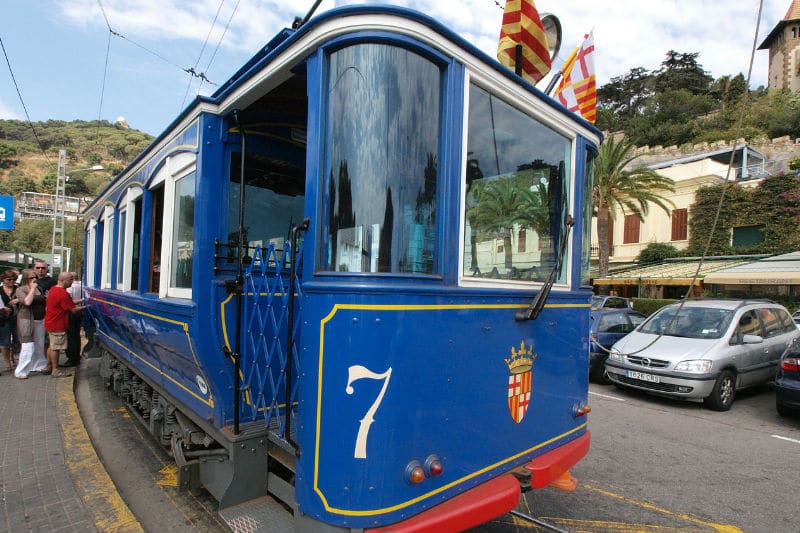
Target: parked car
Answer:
pixel 703 349
pixel 614 302
pixel 607 327
pixel 787 381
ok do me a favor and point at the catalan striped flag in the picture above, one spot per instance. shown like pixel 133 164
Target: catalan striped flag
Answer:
pixel 522 26
pixel 577 90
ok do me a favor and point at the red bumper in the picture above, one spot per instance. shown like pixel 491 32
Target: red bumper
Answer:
pixel 494 498
pixel 478 505
pixel 547 467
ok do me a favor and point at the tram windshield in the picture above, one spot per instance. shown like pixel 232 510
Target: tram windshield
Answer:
pixel 517 187
pixel 382 150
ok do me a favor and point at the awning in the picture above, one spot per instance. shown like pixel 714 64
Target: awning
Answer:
pixel 777 270
pixel 672 272
pixel 754 278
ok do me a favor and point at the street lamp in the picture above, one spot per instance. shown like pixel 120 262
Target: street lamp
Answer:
pixel 57 252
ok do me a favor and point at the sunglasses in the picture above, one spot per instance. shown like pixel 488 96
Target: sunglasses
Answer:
pixel 40 268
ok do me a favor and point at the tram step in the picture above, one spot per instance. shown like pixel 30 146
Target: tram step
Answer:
pixel 259 514
pixel 288 460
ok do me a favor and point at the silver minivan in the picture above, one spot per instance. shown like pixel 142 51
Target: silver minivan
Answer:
pixel 703 349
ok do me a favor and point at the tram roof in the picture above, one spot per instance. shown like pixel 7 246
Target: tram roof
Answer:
pixel 286 37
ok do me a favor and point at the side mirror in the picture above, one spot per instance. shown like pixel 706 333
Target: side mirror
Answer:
pixel 752 339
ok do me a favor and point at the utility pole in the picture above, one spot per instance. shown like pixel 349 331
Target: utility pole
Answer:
pixel 57 255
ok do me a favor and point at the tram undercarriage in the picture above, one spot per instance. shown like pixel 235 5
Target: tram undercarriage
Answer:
pixel 233 468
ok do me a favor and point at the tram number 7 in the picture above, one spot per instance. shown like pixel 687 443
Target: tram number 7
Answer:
pixel 354 373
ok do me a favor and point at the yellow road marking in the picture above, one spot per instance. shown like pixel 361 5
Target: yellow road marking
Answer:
pixel 604 526
pixel 107 508
pixel 170 473
pixel 722 528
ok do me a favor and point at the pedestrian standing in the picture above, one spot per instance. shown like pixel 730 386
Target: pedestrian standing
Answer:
pixel 27 293
pixel 74 329
pixel 8 316
pixel 56 321
pixel 44 279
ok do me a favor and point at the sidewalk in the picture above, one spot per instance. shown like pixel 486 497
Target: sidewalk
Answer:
pixel 50 477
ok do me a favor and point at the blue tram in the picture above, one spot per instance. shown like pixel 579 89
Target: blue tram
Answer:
pixel 354 281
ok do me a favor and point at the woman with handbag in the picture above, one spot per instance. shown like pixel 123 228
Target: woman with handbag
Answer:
pixel 7 316
pixel 28 295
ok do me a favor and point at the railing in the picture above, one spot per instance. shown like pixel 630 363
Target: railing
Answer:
pixel 265 352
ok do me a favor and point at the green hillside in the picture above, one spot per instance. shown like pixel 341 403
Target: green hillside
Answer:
pixel 29 154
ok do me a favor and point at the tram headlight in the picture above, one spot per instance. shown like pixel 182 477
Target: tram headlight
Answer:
pixel 414 473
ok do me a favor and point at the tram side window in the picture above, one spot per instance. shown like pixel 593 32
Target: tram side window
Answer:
pixel 183 232
pixel 382 138
pixel 517 180
pixel 155 238
pixel 135 249
pixel 123 220
pixel 108 248
pixel 588 187
pixel 91 247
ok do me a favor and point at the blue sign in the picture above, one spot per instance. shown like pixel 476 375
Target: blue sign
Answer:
pixel 6 212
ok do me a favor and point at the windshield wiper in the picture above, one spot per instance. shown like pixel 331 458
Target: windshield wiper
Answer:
pixel 537 304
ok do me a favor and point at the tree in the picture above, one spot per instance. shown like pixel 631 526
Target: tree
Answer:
pixel 8 155
pixel 630 190
pixel 682 71
pixel 17 183
pixel 656 252
pixel 497 209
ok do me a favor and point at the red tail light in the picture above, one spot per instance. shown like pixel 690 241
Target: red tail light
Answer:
pixel 791 364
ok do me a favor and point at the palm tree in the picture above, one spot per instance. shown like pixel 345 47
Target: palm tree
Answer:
pixel 496 210
pixel 630 190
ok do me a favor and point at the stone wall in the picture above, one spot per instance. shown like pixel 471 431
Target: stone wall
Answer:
pixel 777 152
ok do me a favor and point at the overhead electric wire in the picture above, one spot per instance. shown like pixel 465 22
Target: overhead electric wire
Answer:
pixel 738 130
pixel 200 55
pixel 725 187
pixel 22 100
pixel 189 70
pixel 103 85
pixel 221 37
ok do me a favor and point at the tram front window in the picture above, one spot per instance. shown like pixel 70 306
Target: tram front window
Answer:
pixel 382 138
pixel 517 187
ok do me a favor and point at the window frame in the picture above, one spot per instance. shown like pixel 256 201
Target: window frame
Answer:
pixel 107 255
pixel 542 113
pixel 632 226
pixel 124 265
pixel 90 253
pixel 177 167
pixel 680 224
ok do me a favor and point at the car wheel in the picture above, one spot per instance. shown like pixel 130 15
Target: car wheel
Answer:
pixel 783 410
pixel 721 397
pixel 599 375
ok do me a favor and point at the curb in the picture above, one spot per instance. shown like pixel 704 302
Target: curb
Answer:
pixel 94 486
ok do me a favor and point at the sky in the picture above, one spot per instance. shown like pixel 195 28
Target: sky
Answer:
pixel 111 59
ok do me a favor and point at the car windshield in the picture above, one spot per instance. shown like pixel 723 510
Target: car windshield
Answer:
pixel 691 322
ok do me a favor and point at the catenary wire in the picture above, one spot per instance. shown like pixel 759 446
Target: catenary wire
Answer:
pixel 202 49
pixel 725 186
pixel 22 100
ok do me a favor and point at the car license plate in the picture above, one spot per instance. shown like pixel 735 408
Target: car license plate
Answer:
pixel 642 376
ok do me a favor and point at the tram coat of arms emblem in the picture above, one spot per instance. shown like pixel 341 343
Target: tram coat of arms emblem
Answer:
pixel 520 366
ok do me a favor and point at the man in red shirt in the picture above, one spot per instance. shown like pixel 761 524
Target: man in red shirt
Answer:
pixel 56 319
